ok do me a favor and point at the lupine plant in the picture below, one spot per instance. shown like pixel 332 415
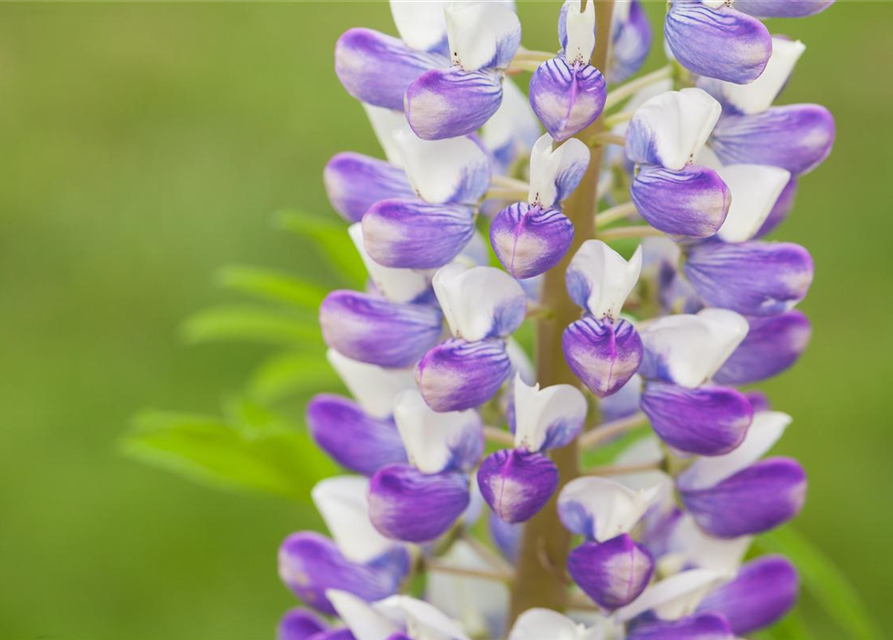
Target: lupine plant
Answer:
pixel 612 482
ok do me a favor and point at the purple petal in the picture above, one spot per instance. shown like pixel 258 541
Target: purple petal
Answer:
pixel 355 182
pixel 567 98
pixel 602 354
pixel 354 439
pixel 752 278
pixel 708 421
pixel 334 634
pixel 447 103
pixel 758 401
pixel 506 536
pixel 692 202
pixel 700 627
pixel 459 375
pixel 309 564
pixel 411 234
pixel 406 504
pixel 299 624
pixel 718 43
pixel 780 211
pixel 782 8
pixel 612 573
pixel 631 41
pixel 378 69
pixel 529 240
pixel 795 137
pixel 517 484
pixel 378 331
pixel 754 500
pixel 764 590
pixel 623 403
pixel 772 345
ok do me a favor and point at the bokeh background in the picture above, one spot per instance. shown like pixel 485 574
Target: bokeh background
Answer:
pixel 144 145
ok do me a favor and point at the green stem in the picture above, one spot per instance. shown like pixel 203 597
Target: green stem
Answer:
pixel 620 212
pixel 637 231
pixel 601 433
pixel 625 91
pixel 616 470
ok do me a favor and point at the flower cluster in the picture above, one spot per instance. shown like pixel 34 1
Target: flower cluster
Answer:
pixel 703 167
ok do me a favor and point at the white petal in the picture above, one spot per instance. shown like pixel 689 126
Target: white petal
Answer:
pixel 342 502
pixel 641 97
pixel 431 437
pixel 691 348
pixel 478 301
pixel 755 189
pixel 543 624
pixel 475 253
pixel 646 450
pixel 520 361
pixel 537 411
pixel 707 158
pixel 421 25
pixel 674 597
pixel 438 169
pixel 361 618
pixel 399 285
pixel 614 508
pixel 514 123
pixel 765 430
pixel 691 546
pixel 676 124
pixel 474 602
pixel 423 621
pixel 477 31
pixel 551 168
pixel 386 123
pixel 373 387
pixel 580 33
pixel 758 96
pixel 604 277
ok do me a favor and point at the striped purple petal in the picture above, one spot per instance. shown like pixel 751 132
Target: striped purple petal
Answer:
pixel 692 202
pixel 299 624
pixel 378 331
pixel 780 211
pixel 630 39
pixel 378 69
pixel 604 355
pixel 795 137
pixel 709 626
pixel 567 97
pixel 717 42
pixel 310 564
pixel 530 240
pixel 612 573
pixel 447 103
pixel 353 438
pixel 406 504
pixel 517 484
pixel 756 499
pixel 355 182
pixel 772 345
pixel 458 375
pixel 708 421
pixel 752 278
pixel 763 591
pixel 782 8
pixel 411 234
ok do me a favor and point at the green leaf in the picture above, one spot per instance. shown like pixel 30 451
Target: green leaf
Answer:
pixel 272 285
pixel 824 582
pixel 253 324
pixel 290 373
pixel 210 451
pixel 331 239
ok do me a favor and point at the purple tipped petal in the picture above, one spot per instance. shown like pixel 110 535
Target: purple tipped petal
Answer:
pixel 529 240
pixel 758 401
pixel 692 202
pixel 411 234
pixel 309 564
pixel 708 421
pixel 752 278
pixel 780 210
pixel 718 43
pixel 795 137
pixel 355 182
pixel 782 8
pixel 299 624
pixel 631 41
pixel 354 439
pixel 772 345
pixel 700 627
pixel 764 590
pixel 378 331
pixel 602 354
pixel 612 573
pixel 567 97
pixel 754 500
pixel 406 504
pixel 517 484
pixel 447 103
pixel 459 375
pixel 378 69
pixel 506 536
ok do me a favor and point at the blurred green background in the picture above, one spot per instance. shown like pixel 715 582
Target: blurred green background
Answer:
pixel 144 145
